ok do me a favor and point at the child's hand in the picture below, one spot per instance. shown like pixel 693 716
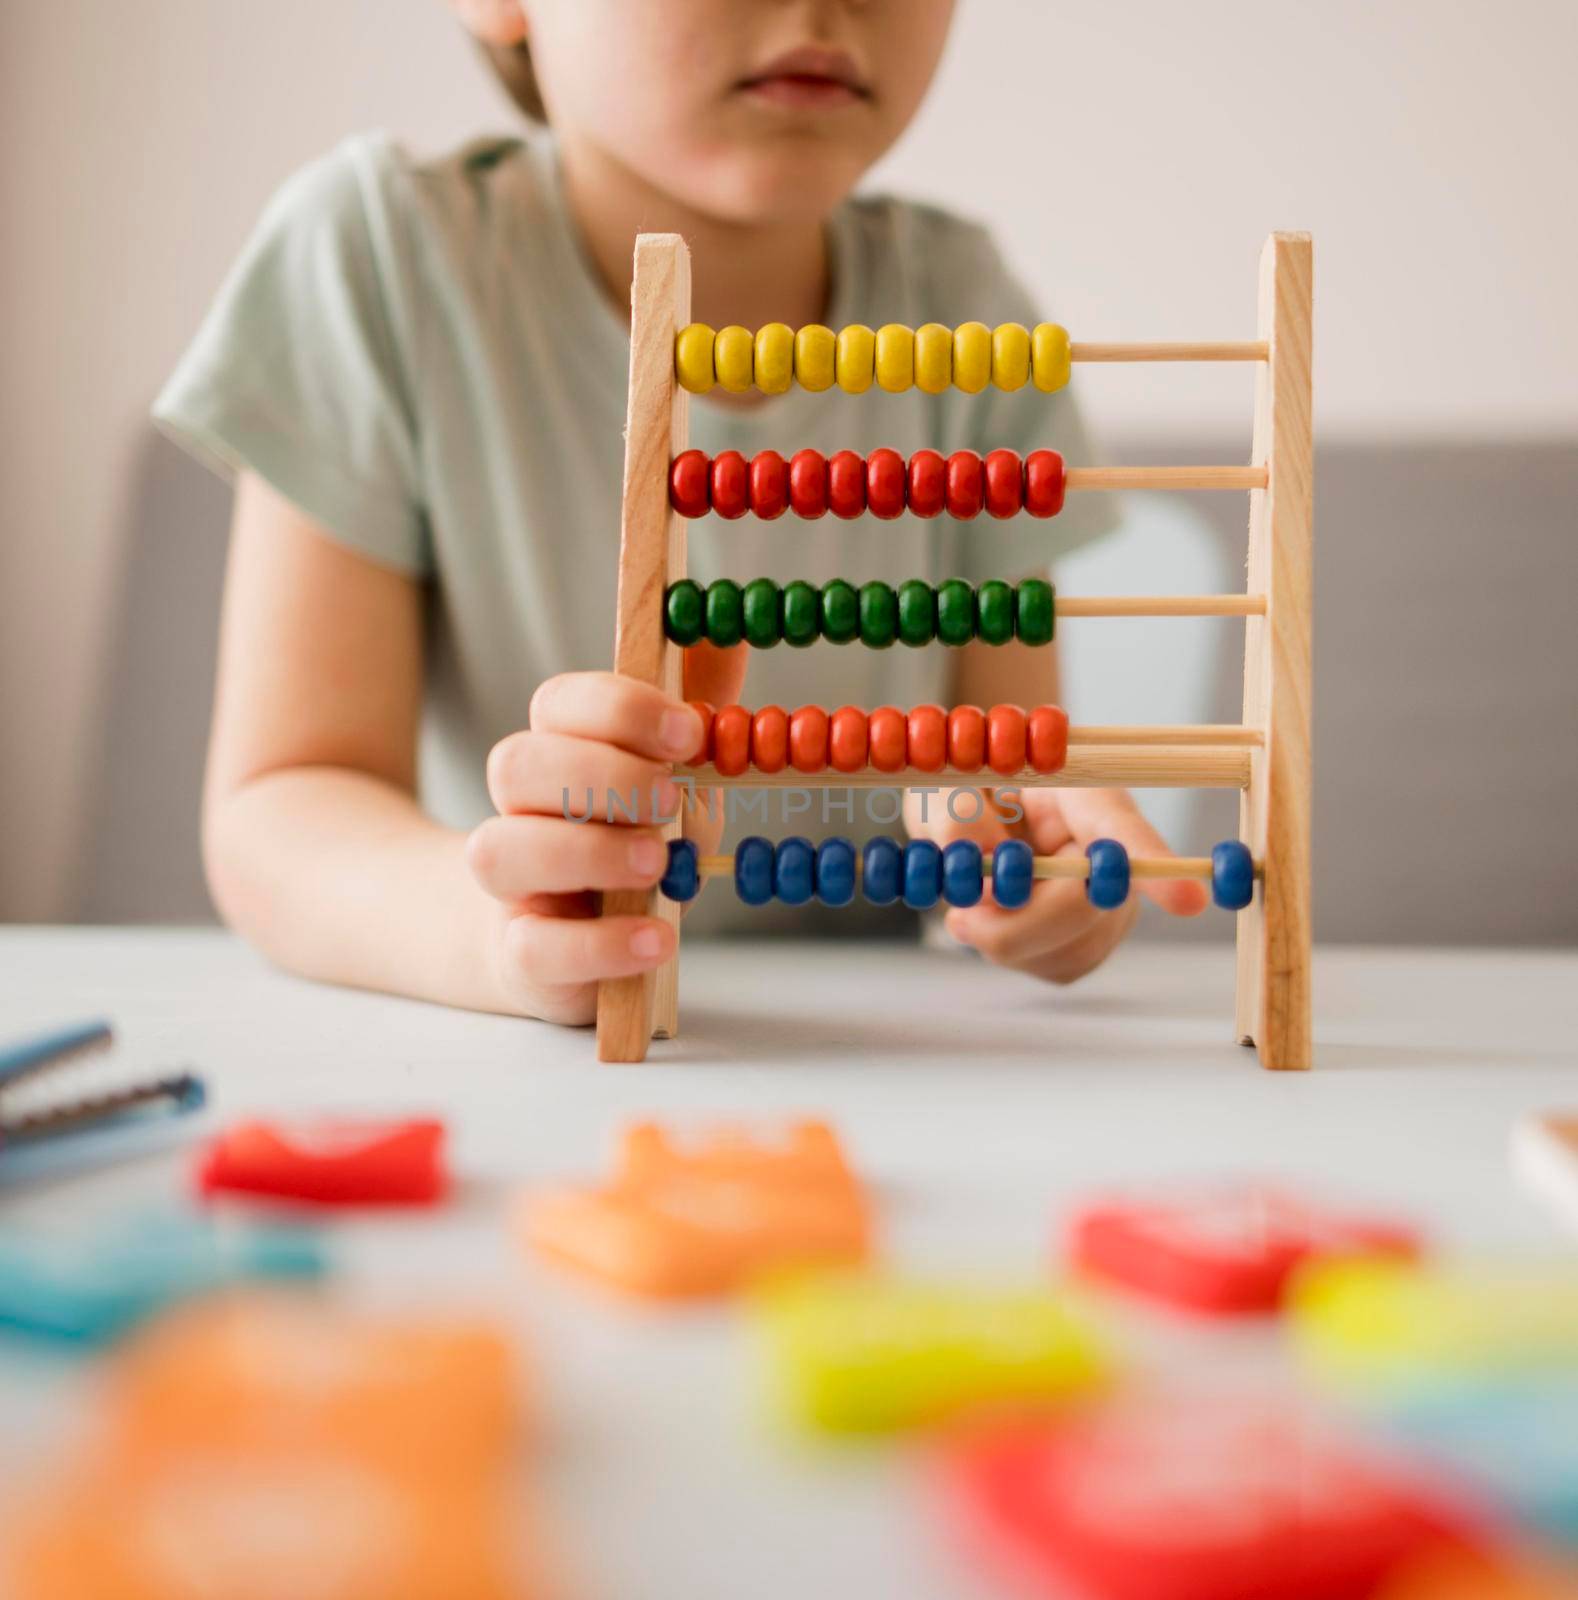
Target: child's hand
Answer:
pixel 1059 935
pixel 597 732
pixel 492 21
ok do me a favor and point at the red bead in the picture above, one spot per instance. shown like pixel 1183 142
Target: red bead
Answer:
pixel 730 485
pixel 966 738
pixel 687 484
pixel 1046 738
pixel 928 486
pixel 887 736
pixel 847 739
pixel 1005 740
pixel 966 491
pixel 885 484
pixel 808 739
pixel 703 751
pixel 846 484
pixel 928 738
pixel 731 741
pixel 1044 483
pixel 769 485
pixel 770 739
pixel 808 484
pixel 1005 485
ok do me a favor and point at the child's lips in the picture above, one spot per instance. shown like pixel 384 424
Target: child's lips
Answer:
pixel 801 91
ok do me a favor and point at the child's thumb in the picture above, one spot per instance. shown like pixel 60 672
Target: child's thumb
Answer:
pixel 715 675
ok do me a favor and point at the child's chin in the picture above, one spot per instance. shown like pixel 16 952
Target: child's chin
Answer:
pixel 783 183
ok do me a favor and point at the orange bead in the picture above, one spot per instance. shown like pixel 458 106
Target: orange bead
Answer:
pixel 770 739
pixel 808 739
pixel 888 736
pixel 703 752
pixel 1046 738
pixel 1005 739
pixel 928 738
pixel 966 738
pixel 731 741
pixel 847 739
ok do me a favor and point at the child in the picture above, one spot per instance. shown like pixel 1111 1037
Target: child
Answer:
pixel 417 372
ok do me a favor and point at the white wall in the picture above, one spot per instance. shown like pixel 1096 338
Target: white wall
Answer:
pixel 1132 156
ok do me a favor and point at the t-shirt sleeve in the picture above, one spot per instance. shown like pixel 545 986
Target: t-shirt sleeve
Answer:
pixel 1023 420
pixel 299 371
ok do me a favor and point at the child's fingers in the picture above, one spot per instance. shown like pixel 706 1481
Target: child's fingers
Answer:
pixel 492 21
pixel 616 710
pixel 552 951
pixel 715 674
pixel 1112 814
pixel 556 775
pixel 513 857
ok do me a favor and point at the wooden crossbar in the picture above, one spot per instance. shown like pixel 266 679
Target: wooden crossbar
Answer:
pixel 1245 350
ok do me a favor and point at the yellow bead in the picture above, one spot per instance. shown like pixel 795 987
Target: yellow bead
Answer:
pixel 693 358
pixel 1049 358
pixel 734 358
pixel 972 356
pixel 1011 355
pixel 814 357
pixel 895 357
pixel 933 357
pixel 774 358
pixel 857 356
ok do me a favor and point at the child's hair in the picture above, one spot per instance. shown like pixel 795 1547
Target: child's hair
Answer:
pixel 513 64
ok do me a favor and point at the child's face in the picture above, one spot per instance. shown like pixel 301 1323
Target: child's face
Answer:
pixel 750 110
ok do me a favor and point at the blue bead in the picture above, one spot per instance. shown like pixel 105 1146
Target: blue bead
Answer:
pixel 753 870
pixel 1232 875
pixel 1108 883
pixel 961 872
pixel 835 872
pixel 881 870
pixel 1013 873
pixel 794 870
pixel 922 874
pixel 683 878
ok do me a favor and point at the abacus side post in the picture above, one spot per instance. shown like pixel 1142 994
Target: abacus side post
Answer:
pixel 651 556
pixel 1273 1004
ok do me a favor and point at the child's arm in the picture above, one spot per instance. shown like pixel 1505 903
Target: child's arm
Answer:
pixel 316 848
pixel 1058 936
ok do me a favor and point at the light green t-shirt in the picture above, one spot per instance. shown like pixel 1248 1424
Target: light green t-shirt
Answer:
pixel 419 356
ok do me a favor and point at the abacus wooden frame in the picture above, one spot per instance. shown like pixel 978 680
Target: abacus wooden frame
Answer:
pixel 1268 757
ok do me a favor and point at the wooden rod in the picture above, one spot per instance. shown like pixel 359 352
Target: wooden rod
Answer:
pixel 1077 867
pixel 1222 350
pixel 1080 478
pixel 1138 766
pixel 1226 733
pixel 1161 605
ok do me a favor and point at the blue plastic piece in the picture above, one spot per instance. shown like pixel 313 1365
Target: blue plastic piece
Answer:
pixel 961 872
pixel 682 881
pixel 922 874
pixel 753 870
pixel 24 1056
pixel 85 1290
pixel 1108 883
pixel 1232 875
pixel 835 872
pixel 1013 873
pixel 794 870
pixel 882 870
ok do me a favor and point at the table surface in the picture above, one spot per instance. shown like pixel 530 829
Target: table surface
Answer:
pixel 980 1106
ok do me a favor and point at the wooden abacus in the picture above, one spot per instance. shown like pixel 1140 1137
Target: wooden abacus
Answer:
pixel 1266 757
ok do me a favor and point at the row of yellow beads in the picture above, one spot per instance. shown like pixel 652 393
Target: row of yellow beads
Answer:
pixel 931 358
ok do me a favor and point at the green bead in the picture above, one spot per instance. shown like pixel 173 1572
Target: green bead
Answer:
pixel 684 612
pixel 725 612
pixel 917 612
pixel 762 604
pixel 879 615
pixel 1035 611
pixel 955 612
pixel 840 612
pixel 994 612
pixel 802 614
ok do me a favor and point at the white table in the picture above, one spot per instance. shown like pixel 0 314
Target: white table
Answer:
pixel 980 1105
